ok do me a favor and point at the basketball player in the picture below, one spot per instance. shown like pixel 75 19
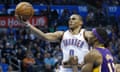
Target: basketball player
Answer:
pixel 73 41
pixel 99 59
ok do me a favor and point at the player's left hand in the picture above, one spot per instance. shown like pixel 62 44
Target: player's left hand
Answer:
pixel 73 60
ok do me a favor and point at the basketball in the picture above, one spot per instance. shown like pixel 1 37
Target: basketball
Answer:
pixel 25 10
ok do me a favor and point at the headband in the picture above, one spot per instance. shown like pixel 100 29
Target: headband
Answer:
pixel 97 35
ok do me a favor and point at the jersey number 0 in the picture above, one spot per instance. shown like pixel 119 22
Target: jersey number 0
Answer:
pixel 71 52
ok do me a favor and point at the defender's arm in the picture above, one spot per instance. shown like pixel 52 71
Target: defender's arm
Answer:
pixel 91 60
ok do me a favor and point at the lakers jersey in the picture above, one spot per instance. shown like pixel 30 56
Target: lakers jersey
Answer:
pixel 107 64
pixel 74 45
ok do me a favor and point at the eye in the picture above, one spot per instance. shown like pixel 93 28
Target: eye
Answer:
pixel 73 18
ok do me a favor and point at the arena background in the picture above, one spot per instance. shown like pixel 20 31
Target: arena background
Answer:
pixel 18 43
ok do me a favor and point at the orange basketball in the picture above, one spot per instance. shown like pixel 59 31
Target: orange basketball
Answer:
pixel 25 10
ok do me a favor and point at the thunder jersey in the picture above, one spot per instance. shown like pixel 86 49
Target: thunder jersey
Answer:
pixel 74 45
pixel 107 64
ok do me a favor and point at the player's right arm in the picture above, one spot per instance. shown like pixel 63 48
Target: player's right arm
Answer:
pixel 92 60
pixel 47 36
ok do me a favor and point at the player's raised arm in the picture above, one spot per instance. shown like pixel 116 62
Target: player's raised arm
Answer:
pixel 47 36
pixel 92 61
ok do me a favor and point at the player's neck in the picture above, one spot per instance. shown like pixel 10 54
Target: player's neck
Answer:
pixel 75 30
pixel 99 45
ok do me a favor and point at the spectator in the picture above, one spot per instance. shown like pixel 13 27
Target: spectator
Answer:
pixel 90 19
pixel 73 2
pixel 39 2
pixel 8 51
pixel 49 62
pixel 100 17
pixel 39 65
pixel 48 14
pixel 117 51
pixel 28 62
pixel 54 14
pixel 64 2
pixel 36 48
pixel 39 59
pixel 20 53
pixel 48 47
pixel 115 2
pixel 57 53
pixel 75 12
pixel 32 36
pixel 64 17
pixel 1 69
pixel 4 65
pixel 11 34
pixel 57 2
pixel 117 57
pixel 10 69
pixel 42 2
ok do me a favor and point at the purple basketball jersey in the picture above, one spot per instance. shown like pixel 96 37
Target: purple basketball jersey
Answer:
pixel 108 64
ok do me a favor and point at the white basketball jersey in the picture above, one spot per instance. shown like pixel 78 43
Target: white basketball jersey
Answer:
pixel 74 45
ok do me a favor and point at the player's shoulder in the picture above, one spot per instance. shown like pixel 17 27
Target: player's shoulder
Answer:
pixel 87 34
pixel 93 55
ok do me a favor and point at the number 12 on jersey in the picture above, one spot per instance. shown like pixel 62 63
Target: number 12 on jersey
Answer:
pixel 71 52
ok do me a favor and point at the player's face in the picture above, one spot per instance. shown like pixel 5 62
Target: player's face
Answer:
pixel 91 39
pixel 75 21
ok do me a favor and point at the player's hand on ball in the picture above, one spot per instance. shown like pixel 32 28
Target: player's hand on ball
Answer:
pixel 20 19
pixel 23 12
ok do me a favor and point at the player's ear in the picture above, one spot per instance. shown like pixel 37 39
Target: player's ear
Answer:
pixel 81 22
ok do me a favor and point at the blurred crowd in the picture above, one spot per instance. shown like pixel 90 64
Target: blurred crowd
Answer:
pixel 35 54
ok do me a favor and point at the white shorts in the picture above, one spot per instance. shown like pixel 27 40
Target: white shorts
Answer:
pixel 61 69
